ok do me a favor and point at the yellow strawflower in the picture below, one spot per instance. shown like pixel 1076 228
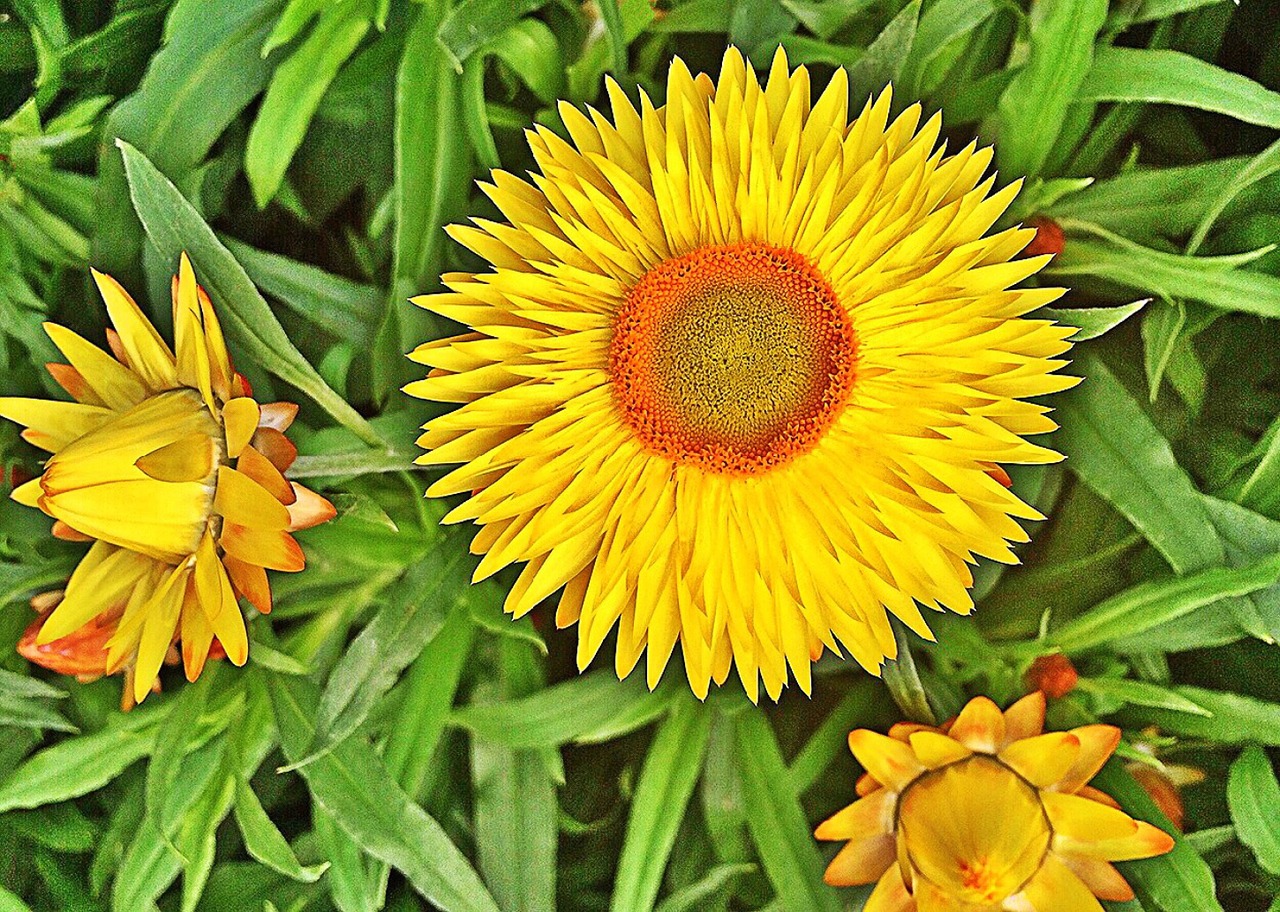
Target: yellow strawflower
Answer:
pixel 168 465
pixel 986 814
pixel 741 376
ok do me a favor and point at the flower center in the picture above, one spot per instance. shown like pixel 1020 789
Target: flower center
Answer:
pixel 734 358
pixel 974 829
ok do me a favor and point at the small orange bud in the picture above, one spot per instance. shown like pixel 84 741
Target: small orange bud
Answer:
pixel 1054 674
pixel 1049 237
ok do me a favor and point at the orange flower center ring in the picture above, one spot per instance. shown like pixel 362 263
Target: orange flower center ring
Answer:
pixel 733 358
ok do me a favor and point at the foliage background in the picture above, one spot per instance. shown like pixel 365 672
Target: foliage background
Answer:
pixel 445 757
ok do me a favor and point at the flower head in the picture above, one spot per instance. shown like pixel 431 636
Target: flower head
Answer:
pixel 168 465
pixel 986 813
pixel 742 376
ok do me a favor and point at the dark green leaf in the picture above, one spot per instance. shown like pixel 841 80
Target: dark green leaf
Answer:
pixel 1092 321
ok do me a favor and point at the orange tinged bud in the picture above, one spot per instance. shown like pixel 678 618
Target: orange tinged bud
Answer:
pixel 1049 237
pixel 1054 674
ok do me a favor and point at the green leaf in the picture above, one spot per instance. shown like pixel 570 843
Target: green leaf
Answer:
pixel 886 56
pixel 707 893
pixel 1092 322
pixel 1140 693
pixel 944 22
pixel 615 29
pixel 903 681
pixel 295 92
pixel 429 687
pixel 1137 609
pixel 473 23
pixel 77 766
pixel 264 841
pixel 777 822
pixel 27 712
pixel 1172 77
pixel 393 639
pixel 174 225
pixel 351 884
pixel 1161 329
pixel 662 794
pixel 347 309
pixel 1236 719
pixel 352 784
pixel 1170 275
pixel 1179 881
pixel 432 177
pixel 1033 109
pixel 563 713
pixel 831 737
pixel 1263 165
pixel 515 797
pixel 1117 451
pixel 1253 795
pixel 12 902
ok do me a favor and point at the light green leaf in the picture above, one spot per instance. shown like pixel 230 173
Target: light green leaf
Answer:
pixel 174 225
pixel 473 23
pixel 1033 109
pixel 1263 165
pixel 706 893
pixel 662 794
pixel 1114 447
pixel 295 92
pixel 1211 280
pixel 77 766
pixel 885 57
pixel 1140 693
pixel 264 841
pixel 562 713
pixel 1253 795
pixel 1092 322
pixel 777 823
pixel 1236 719
pixel 1146 605
pixel 1172 77
pixel 352 784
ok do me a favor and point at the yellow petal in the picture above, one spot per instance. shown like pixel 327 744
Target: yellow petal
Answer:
pixel 250 580
pixel 242 500
pixel 147 353
pixel 1101 877
pixel 55 423
pixel 1025 718
pixel 861 862
pixel 890 762
pixel 890 894
pixel 218 601
pixel 193 368
pixel 1044 759
pixel 158 627
pixel 1055 889
pixel 264 547
pixel 117 386
pixel 104 578
pixel 1097 743
pixel 980 726
pixel 74 383
pixel 1078 821
pixel 28 493
pixel 239 419
pixel 863 818
pixel 935 749
pixel 197 636
pixel 308 509
pixel 188 458
pixel 221 372
pixel 160 519
pixel 259 468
